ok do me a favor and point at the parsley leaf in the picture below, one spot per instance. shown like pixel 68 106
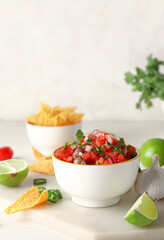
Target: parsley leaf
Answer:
pixel 129 146
pixel 101 152
pixel 121 142
pixel 101 147
pixel 89 140
pixel 150 82
pixel 74 143
pixel 119 150
pixel 134 154
pixel 66 144
pixel 79 134
pixel 80 159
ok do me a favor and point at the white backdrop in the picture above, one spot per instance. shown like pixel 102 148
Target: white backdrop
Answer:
pixel 75 52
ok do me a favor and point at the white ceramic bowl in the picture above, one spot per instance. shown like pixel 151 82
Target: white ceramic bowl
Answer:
pixel 96 185
pixel 45 139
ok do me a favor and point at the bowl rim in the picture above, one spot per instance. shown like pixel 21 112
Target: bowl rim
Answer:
pixel 94 165
pixel 28 123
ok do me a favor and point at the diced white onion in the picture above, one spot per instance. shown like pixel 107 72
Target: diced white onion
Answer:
pixel 95 132
pixel 110 140
pixel 76 160
pixel 88 148
pixel 86 138
pixel 83 162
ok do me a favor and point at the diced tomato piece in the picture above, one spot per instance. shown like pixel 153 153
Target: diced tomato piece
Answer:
pixel 111 154
pixel 108 161
pixel 98 143
pixel 70 159
pixel 100 161
pixel 86 156
pixel 116 154
pixel 108 148
pixel 67 151
pixel 113 157
pixel 82 140
pixel 63 153
pixel 93 156
pixel 115 141
pixel 102 138
pixel 57 153
pixel 120 158
pixel 130 150
pixel 133 148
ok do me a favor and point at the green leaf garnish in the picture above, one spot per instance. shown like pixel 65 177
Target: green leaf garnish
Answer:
pixel 80 159
pixel 79 134
pixel 121 142
pixel 134 154
pixel 129 146
pixel 119 150
pixel 101 152
pixel 74 143
pixel 101 147
pixel 150 82
pixel 89 140
pixel 66 144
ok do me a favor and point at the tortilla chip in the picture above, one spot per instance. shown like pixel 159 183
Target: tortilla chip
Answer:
pixel 74 117
pixel 68 109
pixel 38 156
pixel 47 110
pixel 45 167
pixel 55 116
pixel 29 199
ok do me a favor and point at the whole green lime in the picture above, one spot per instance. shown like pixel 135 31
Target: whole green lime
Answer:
pixel 151 147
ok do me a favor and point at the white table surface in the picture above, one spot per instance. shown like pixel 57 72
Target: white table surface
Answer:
pixel 13 133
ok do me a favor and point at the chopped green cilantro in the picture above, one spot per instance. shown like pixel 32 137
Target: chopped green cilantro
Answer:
pixel 101 152
pixel 119 150
pixel 121 142
pixel 74 143
pixel 66 144
pixel 134 154
pixel 79 134
pixel 108 143
pixel 96 149
pixel 89 140
pixel 83 145
pixel 101 147
pixel 80 159
pixel 129 146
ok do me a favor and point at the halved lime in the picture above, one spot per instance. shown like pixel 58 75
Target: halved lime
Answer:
pixel 13 172
pixel 143 212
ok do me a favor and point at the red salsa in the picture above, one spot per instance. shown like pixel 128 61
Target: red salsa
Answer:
pixel 97 148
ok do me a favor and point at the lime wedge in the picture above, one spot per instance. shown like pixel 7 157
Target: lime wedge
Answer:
pixel 143 212
pixel 13 172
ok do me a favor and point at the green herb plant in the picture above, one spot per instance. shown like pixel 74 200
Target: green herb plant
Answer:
pixel 150 82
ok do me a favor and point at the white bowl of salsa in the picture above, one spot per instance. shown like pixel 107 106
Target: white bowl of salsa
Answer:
pixel 94 182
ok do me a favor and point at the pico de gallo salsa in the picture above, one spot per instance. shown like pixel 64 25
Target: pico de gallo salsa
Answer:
pixel 97 148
